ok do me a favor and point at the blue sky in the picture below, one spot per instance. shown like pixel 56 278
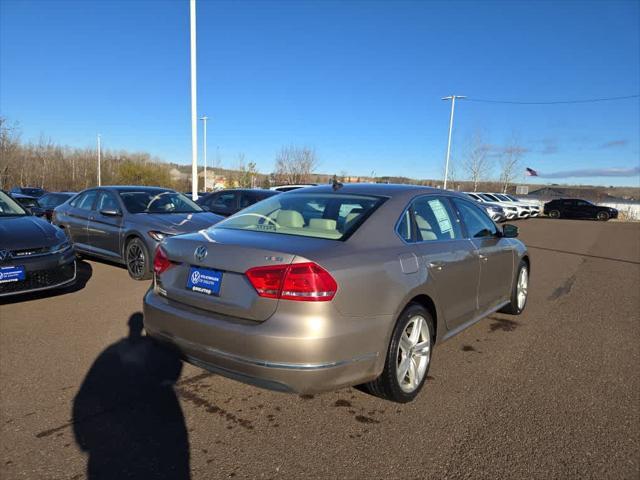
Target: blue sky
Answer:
pixel 358 81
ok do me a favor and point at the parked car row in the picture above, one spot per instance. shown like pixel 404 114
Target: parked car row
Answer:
pixel 512 208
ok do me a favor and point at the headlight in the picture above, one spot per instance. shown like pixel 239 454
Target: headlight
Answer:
pixel 61 247
pixel 159 236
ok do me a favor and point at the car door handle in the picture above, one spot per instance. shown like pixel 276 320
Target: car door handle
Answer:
pixel 483 257
pixel 437 265
pixel 91 218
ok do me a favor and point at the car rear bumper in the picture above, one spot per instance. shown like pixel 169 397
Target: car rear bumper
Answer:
pixel 43 273
pixel 279 353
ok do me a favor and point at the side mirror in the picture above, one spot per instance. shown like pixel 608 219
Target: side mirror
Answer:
pixel 110 213
pixel 509 231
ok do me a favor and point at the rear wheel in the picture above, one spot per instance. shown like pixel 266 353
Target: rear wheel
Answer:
pixel 408 358
pixel 519 292
pixel 136 257
pixel 554 213
pixel 602 216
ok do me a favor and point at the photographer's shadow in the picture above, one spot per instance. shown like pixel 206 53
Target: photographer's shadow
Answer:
pixel 126 415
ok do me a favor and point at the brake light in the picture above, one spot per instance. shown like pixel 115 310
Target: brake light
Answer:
pixel 161 262
pixel 306 282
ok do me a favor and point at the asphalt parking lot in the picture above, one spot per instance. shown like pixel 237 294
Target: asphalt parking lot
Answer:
pixel 554 393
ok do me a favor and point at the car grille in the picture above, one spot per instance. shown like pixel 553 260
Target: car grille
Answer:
pixel 40 279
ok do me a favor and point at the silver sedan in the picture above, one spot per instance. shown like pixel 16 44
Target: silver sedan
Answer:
pixel 331 286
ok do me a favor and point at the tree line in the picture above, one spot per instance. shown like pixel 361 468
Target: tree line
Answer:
pixel 58 168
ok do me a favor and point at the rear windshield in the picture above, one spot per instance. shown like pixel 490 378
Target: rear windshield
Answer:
pixel 319 215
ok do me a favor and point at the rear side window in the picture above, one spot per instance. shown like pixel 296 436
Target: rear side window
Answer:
pixel 85 201
pixel 319 215
pixel 428 218
pixel 476 220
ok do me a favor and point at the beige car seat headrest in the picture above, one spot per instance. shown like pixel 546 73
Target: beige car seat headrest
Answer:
pixel 290 218
pixel 322 224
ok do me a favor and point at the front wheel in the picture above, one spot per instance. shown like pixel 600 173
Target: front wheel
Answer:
pixel 519 292
pixel 602 216
pixel 408 358
pixel 554 213
pixel 136 257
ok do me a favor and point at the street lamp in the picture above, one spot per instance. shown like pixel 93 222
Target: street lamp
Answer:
pixel 453 106
pixel 99 155
pixel 204 119
pixel 194 114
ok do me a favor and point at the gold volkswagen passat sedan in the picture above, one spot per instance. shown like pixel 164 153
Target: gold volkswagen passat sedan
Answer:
pixel 330 286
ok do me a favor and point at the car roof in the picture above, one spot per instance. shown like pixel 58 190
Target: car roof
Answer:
pixel 135 188
pixel 382 189
pixel 259 190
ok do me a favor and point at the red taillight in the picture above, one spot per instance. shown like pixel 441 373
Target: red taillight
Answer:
pixel 161 262
pixel 307 282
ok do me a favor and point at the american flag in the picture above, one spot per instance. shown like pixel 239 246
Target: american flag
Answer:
pixel 531 172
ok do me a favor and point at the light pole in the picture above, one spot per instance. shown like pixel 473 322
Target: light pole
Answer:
pixel 194 114
pixel 204 119
pixel 453 107
pixel 99 154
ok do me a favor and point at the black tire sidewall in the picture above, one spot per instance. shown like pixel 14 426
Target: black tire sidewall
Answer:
pixel 602 216
pixel 557 212
pixel 390 375
pixel 147 272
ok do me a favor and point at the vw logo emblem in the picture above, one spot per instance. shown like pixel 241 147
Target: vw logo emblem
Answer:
pixel 201 253
pixel 4 254
pixel 195 277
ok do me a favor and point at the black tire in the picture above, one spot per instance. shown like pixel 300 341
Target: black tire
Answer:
pixel 387 385
pixel 602 216
pixel 513 308
pixel 137 259
pixel 554 213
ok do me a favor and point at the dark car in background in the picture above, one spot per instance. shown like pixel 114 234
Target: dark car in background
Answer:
pixel 28 202
pixel 35 192
pixel 49 201
pixel 228 202
pixel 125 224
pixel 34 255
pixel 577 208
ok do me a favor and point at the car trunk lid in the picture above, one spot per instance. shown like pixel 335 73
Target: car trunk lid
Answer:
pixel 231 252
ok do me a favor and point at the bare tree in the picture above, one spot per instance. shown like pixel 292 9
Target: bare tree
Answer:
pixel 477 163
pixel 294 165
pixel 510 163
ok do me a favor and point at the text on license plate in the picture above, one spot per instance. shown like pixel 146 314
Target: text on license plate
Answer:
pixel 12 274
pixel 205 281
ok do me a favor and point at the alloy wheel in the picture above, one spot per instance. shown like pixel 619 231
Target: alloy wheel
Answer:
pixel 414 353
pixel 136 260
pixel 522 287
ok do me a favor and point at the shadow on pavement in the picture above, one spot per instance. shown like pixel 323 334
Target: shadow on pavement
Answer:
pixel 83 275
pixel 126 415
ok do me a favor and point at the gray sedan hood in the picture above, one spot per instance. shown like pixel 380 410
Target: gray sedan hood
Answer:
pixel 18 233
pixel 176 223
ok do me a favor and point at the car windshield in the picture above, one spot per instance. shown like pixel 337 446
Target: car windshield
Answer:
pixel 319 215
pixel 154 201
pixel 488 197
pixel 9 207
